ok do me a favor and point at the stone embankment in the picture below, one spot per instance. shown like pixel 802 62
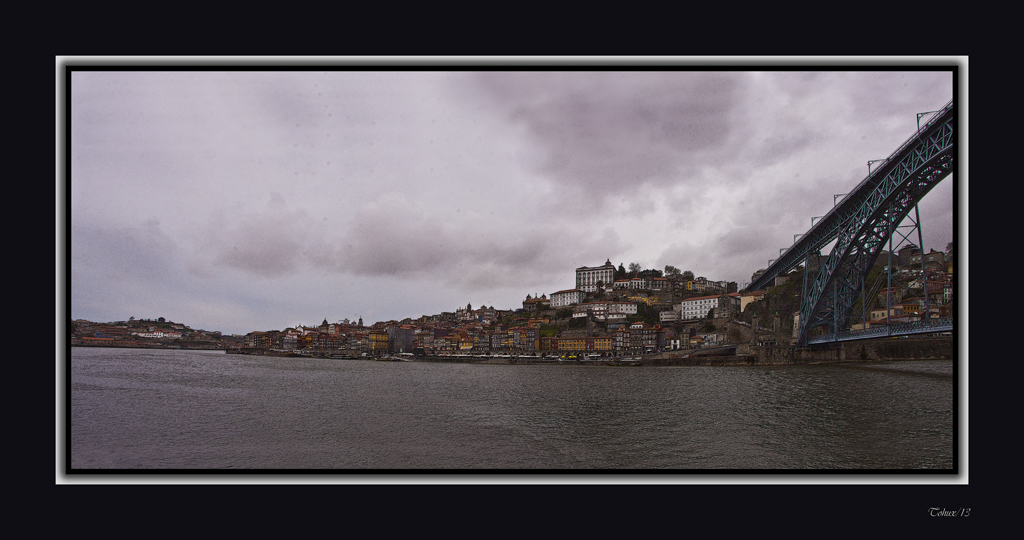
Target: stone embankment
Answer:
pixel 887 349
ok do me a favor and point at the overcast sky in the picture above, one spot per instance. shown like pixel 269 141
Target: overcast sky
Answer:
pixel 257 200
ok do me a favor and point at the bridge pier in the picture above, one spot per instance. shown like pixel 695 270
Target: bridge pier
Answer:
pixel 769 355
pixel 901 348
pixel 826 352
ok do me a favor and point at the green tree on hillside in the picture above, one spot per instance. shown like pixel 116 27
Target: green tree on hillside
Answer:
pixel 646 314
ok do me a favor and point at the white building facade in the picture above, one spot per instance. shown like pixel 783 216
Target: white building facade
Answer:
pixel 668 316
pixel 725 305
pixel 588 276
pixel 697 308
pixel 605 310
pixel 566 298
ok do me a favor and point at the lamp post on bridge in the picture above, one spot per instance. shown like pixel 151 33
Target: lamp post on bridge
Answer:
pixel 919 115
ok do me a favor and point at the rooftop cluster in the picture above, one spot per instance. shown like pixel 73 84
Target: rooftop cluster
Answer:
pixel 610 311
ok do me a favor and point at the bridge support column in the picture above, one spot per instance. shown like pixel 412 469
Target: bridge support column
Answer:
pixel 924 267
pixel 826 352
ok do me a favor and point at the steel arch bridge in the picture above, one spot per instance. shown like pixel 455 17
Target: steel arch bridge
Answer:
pixel 860 225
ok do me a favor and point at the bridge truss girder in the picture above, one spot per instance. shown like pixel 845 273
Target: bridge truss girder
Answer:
pixel 825 231
pixel 870 222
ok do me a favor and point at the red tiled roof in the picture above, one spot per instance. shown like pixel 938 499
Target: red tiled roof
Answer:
pixel 703 297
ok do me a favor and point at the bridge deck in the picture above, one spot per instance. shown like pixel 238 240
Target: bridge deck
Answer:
pixel 944 324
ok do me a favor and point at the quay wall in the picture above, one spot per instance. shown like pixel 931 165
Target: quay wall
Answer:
pixel 885 349
pixel 910 348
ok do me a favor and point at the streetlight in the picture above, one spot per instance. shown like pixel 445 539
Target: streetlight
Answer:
pixel 919 115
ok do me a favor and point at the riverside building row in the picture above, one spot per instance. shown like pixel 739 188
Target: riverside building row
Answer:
pixel 612 324
pixel 638 337
pixel 618 334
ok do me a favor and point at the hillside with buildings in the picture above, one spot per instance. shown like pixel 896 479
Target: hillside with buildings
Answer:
pixel 609 312
pixel 147 333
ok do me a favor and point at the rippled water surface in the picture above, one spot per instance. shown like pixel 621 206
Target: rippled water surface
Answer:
pixel 160 409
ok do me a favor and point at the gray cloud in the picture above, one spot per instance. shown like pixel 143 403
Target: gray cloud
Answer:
pixel 266 243
pixel 604 134
pixel 394 237
pixel 137 253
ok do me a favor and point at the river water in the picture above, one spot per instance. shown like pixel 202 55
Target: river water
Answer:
pixel 139 410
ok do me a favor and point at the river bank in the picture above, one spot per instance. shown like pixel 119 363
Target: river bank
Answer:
pixel 887 350
pixel 140 345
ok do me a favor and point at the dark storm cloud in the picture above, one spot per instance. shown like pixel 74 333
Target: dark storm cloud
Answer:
pixel 607 133
pixel 389 238
pixel 739 242
pixel 261 252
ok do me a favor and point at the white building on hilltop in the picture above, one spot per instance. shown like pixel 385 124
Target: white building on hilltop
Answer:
pixel 588 276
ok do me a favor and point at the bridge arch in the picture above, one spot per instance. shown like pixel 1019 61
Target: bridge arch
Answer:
pixel 862 223
pixel 880 206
